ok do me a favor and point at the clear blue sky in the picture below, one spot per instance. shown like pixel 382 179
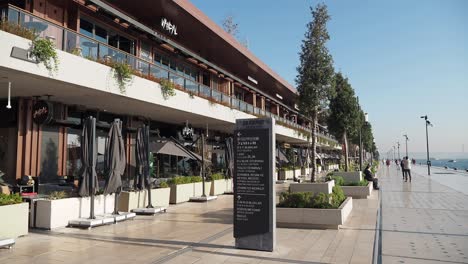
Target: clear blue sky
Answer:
pixel 404 59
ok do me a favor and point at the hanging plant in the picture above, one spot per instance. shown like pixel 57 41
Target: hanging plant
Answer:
pixel 44 52
pixel 123 74
pixel 167 88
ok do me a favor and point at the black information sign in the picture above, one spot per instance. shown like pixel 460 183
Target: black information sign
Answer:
pixel 253 177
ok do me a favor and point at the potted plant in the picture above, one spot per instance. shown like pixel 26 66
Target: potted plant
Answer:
pixel 309 210
pixel 14 216
pixel 61 207
pixel 356 189
pixel 218 184
pixel 182 188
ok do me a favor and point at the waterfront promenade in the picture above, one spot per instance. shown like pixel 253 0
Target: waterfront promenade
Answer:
pixel 421 222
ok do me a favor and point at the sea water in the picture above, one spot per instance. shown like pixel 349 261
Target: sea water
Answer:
pixel 460 164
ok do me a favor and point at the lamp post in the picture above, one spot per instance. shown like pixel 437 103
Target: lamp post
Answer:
pixel 406 141
pixel 398 144
pixel 428 123
pixel 360 141
pixel 394 153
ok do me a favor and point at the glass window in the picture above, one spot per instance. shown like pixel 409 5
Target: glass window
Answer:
pixel 100 34
pixel 86 28
pixel 49 154
pixel 157 58
pixel 73 152
pixel 101 140
pixel 145 51
pixel 126 44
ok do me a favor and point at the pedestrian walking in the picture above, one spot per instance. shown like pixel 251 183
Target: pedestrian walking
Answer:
pixel 402 165
pixel 407 168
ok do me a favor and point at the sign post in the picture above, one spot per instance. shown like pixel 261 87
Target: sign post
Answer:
pixel 254 195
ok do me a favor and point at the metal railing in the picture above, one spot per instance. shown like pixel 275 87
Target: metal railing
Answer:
pixel 87 47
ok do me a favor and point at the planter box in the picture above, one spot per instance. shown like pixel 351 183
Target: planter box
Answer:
pixel 218 187
pixel 198 189
pixel 314 218
pixel 305 171
pixel 52 214
pixel 181 193
pixel 352 176
pixel 14 220
pixel 358 192
pixel 132 200
pixel 139 199
pixel 320 187
pixel 229 187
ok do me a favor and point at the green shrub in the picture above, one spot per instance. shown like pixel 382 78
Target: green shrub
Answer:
pixel 7 199
pixel 123 74
pixel 360 183
pixel 321 200
pixel 163 184
pixel 44 52
pixel 56 195
pixel 178 180
pixel 17 29
pixel 339 181
pixel 217 176
pixel 337 197
pixel 196 179
pixel 295 200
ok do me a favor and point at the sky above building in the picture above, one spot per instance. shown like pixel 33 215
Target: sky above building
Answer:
pixel 403 58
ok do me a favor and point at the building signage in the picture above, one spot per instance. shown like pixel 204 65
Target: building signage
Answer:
pixel 42 112
pixel 168 26
pixel 254 207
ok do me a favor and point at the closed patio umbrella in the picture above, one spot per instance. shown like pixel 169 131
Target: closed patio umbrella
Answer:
pixel 114 161
pixel 89 182
pixel 142 155
pixel 230 157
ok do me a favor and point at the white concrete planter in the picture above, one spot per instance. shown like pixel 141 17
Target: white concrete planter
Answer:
pixel 316 187
pixel 181 193
pixel 198 189
pixel 132 200
pixel 358 192
pixel 14 220
pixel 218 187
pixel 305 171
pixel 314 217
pixel 52 214
pixel 229 185
pixel 139 199
pixel 285 175
pixel 350 176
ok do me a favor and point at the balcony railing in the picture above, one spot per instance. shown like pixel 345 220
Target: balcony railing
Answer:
pixel 79 44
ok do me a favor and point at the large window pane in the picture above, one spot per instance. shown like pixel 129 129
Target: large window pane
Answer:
pixel 49 154
pixel 86 28
pixel 73 152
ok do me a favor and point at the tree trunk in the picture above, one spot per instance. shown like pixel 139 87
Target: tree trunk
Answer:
pixel 345 140
pixel 314 146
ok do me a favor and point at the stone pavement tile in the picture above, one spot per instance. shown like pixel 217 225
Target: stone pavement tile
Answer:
pixel 400 260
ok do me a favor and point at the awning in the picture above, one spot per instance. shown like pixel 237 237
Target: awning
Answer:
pixel 170 148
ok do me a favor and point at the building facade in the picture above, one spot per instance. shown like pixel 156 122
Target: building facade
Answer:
pixel 185 72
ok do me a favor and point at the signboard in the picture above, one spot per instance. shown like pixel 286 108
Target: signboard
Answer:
pixel 42 112
pixel 254 205
pixel 169 26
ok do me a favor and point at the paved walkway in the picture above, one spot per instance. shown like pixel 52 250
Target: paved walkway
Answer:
pixel 197 233
pixel 422 221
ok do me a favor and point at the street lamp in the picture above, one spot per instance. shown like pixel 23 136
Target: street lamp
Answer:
pixel 406 141
pixel 398 144
pixel 394 153
pixel 360 141
pixel 428 123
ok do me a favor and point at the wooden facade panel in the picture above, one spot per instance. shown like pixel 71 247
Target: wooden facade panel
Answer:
pixel 27 138
pixel 19 147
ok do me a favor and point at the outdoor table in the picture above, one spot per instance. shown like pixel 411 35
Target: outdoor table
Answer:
pixel 90 45
pixel 36 25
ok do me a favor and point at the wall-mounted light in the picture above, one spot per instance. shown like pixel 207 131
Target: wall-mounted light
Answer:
pixel 252 80
pixel 279 96
pixel 9 96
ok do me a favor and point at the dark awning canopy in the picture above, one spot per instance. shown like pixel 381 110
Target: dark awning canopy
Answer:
pixel 170 148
